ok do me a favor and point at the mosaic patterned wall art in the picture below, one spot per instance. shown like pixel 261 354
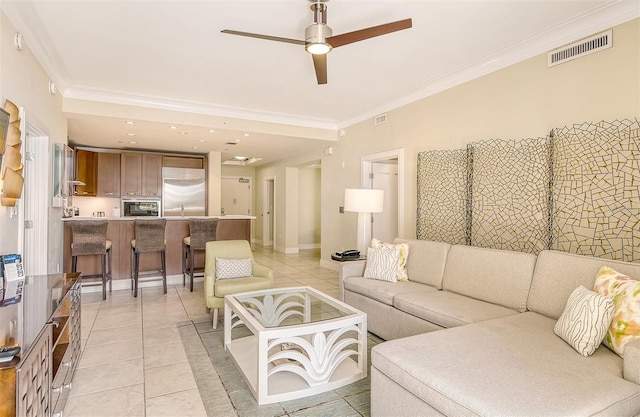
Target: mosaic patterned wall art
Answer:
pixel 596 190
pixel 510 194
pixel 442 196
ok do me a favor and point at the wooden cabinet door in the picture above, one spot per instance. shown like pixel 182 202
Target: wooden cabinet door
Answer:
pixel 151 175
pixel 86 171
pixel 130 174
pixel 109 174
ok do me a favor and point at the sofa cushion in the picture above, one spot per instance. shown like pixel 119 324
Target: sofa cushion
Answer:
pixel 625 295
pixel 448 309
pixel 585 320
pixel 382 264
pixel 496 276
pixel 426 261
pixel 403 255
pixel 557 274
pixel 383 291
pixel 510 366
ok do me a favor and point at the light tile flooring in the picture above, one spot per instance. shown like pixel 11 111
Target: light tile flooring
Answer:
pixel 133 361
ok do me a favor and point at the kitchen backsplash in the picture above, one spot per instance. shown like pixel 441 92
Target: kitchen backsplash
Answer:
pixel 89 205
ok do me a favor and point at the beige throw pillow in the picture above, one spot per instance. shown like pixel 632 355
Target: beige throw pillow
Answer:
pixel 233 268
pixel 382 264
pixel 402 259
pixel 585 320
pixel 625 293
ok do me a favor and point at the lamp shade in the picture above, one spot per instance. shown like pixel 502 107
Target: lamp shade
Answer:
pixel 363 200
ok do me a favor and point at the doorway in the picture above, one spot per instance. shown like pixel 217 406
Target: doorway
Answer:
pixel 235 195
pixel 385 171
pixel 268 212
pixel 36 203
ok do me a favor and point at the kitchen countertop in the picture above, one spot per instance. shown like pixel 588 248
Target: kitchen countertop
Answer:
pixel 169 218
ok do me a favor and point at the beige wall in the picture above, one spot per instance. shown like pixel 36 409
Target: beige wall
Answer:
pixel 23 81
pixel 309 204
pixel 524 100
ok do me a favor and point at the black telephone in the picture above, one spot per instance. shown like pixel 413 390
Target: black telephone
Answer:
pixel 348 254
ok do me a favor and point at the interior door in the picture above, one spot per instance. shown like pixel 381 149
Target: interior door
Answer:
pixel 236 195
pixel 385 177
pixel 268 213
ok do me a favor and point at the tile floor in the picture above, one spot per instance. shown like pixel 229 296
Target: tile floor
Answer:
pixel 133 361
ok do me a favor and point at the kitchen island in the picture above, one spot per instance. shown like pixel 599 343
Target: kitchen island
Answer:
pixel 120 233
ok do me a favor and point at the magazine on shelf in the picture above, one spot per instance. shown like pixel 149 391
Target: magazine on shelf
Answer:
pixel 12 277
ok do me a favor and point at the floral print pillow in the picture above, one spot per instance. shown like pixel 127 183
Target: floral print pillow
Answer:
pixel 402 260
pixel 625 293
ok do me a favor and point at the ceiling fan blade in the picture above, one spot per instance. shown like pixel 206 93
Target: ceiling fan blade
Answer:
pixel 320 64
pixel 266 37
pixel 362 34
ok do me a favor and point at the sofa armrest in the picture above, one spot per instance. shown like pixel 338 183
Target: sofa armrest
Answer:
pixel 262 271
pixel 350 269
pixel 631 369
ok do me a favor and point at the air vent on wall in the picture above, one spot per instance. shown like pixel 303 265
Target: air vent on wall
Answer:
pixel 380 119
pixel 581 48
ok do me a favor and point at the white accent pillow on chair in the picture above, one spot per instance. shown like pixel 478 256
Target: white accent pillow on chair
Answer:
pixel 233 268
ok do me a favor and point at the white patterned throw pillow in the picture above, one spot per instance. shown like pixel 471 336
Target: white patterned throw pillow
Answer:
pixel 585 320
pixel 382 264
pixel 402 259
pixel 233 268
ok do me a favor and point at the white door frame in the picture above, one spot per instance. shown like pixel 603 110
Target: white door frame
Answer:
pixel 266 223
pixel 366 163
pixel 36 202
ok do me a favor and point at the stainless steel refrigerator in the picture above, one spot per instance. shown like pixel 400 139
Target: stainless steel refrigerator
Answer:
pixel 183 192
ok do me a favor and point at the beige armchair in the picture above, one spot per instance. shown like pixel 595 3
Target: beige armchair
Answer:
pixel 215 290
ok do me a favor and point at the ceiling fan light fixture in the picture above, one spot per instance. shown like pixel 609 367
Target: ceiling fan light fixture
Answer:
pixel 315 39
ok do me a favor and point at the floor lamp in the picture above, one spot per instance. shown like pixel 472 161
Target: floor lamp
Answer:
pixel 363 201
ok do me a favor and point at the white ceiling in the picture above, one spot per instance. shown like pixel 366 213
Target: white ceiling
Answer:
pixel 171 55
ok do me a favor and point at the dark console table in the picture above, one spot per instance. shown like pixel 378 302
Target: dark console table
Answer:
pixel 37 382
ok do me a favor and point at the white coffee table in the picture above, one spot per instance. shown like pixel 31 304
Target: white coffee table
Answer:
pixel 294 342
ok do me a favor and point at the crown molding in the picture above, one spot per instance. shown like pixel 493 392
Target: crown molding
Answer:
pixel 604 17
pixel 37 41
pixel 164 103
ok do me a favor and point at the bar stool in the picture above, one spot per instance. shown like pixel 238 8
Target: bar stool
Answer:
pixel 148 237
pixel 201 231
pixel 90 238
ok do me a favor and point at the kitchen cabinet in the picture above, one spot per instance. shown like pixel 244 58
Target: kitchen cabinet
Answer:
pixel 151 175
pixel 87 172
pixel 108 174
pixel 140 174
pixel 171 161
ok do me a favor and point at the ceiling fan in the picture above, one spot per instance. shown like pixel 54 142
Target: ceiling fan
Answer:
pixel 319 39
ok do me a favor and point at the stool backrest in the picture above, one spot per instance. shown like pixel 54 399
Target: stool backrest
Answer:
pixel 149 235
pixel 89 237
pixel 202 231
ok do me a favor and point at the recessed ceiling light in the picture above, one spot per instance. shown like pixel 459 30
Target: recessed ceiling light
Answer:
pixel 245 134
pixel 133 142
pixel 202 141
pixel 130 122
pixel 131 134
pixel 173 127
pixel 194 147
pixel 240 158
pixel 183 133
pixel 237 140
pixel 212 131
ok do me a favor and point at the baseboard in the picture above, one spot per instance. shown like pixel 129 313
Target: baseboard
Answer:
pixel 327 263
pixel 309 246
pixel 125 284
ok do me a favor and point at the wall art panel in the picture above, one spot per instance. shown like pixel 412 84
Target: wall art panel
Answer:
pixel 596 190
pixel 510 194
pixel 442 196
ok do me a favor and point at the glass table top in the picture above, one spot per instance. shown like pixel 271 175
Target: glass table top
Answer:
pixel 281 307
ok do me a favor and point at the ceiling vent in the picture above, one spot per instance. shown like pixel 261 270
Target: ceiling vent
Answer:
pixel 231 143
pixel 380 119
pixel 581 48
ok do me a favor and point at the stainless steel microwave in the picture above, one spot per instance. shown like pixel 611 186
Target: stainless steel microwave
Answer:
pixel 141 208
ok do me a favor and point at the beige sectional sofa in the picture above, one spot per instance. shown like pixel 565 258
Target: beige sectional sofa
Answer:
pixel 494 351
